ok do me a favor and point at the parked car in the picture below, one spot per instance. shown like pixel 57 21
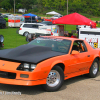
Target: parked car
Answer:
pixel 27 28
pixel 2 23
pixel 48 61
pixel 5 17
pixel 56 16
pixel 31 28
pixel 0 14
pixel 7 14
pixel 47 23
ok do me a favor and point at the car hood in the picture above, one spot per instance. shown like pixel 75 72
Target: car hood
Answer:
pixel 28 53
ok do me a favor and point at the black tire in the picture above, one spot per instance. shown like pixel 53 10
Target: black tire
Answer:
pixel 27 39
pixel 55 79
pixel 26 33
pixel 3 26
pixel 94 69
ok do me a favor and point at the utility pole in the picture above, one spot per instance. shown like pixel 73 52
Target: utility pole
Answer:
pixel 14 6
pixel 67 7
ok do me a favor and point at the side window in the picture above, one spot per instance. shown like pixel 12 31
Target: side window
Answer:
pixel 79 46
pixel 34 26
pixel 27 25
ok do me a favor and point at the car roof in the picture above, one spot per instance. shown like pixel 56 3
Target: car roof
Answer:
pixel 34 23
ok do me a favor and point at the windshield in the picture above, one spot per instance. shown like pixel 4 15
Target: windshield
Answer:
pixel 55 15
pixel 56 44
pixel 46 22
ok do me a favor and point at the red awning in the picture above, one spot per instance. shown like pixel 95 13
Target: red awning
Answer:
pixel 27 16
pixel 48 20
pixel 74 19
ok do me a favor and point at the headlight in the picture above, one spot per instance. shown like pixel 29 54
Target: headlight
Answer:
pixel 26 67
pixel 33 66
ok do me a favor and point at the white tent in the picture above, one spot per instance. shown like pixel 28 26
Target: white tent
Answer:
pixel 53 13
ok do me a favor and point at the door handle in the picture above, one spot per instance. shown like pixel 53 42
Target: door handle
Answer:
pixel 88 56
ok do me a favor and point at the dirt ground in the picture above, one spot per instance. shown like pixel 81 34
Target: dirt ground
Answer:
pixel 77 88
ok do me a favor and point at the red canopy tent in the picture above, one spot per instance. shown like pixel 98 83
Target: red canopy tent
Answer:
pixel 74 19
pixel 48 19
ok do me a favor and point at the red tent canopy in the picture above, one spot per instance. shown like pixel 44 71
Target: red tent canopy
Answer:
pixel 48 20
pixel 74 19
pixel 27 16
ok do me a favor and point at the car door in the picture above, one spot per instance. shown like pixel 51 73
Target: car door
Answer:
pixel 80 61
pixel 34 28
pixel 27 28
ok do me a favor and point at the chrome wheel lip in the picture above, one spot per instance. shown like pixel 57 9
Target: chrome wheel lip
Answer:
pixel 95 68
pixel 53 78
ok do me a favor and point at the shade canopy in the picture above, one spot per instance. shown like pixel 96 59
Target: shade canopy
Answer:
pixel 53 13
pixel 29 14
pixel 74 19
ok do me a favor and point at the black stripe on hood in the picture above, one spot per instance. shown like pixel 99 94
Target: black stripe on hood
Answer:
pixel 28 53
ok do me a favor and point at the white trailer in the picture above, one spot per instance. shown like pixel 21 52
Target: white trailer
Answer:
pixel 15 21
pixel 91 35
pixel 52 29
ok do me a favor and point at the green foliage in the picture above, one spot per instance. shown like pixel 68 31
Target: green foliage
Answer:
pixel 89 7
pixel 5 4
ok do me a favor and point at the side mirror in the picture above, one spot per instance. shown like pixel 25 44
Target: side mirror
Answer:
pixel 75 52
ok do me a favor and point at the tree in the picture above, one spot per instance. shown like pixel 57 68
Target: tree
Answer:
pixel 27 4
pixel 6 4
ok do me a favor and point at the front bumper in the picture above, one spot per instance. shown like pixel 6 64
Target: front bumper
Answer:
pixel 9 75
pixel 22 82
pixel 15 78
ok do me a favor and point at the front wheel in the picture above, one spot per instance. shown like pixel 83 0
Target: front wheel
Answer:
pixel 94 69
pixel 55 79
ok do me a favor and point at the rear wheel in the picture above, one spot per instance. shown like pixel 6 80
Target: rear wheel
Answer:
pixel 28 37
pixel 55 79
pixel 26 33
pixel 94 69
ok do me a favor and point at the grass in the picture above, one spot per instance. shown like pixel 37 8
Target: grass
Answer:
pixel 95 19
pixel 11 38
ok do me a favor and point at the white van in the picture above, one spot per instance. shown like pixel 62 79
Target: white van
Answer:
pixel 32 28
pixel 27 28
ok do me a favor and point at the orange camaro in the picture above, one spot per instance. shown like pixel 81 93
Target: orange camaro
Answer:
pixel 48 60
